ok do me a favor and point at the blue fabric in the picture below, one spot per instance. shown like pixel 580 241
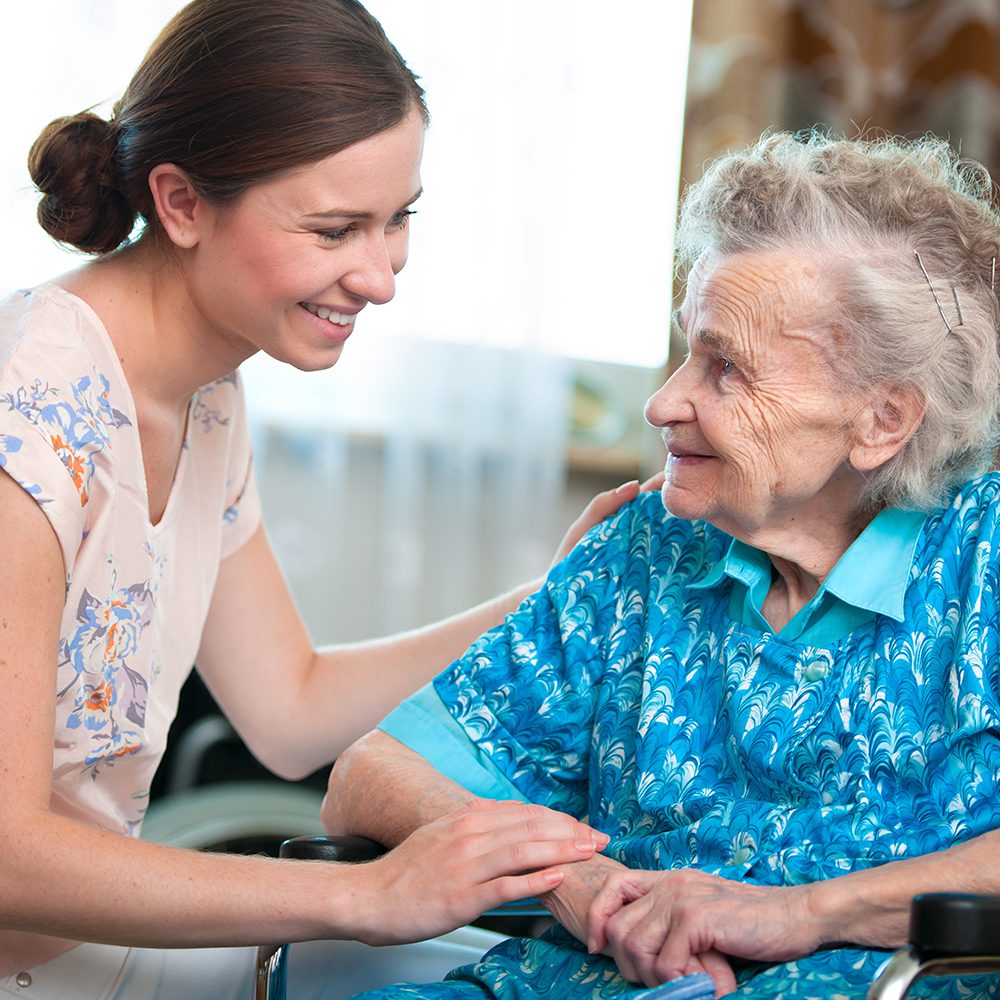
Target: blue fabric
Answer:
pixel 621 694
pixel 423 724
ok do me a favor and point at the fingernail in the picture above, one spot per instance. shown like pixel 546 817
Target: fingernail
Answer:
pixel 601 839
pixel 553 878
pixel 625 486
pixel 586 845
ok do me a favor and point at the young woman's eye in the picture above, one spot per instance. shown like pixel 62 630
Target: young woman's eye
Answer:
pixel 336 235
pixel 399 220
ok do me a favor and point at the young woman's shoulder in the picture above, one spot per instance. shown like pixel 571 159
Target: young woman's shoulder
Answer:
pixel 46 330
pixel 63 401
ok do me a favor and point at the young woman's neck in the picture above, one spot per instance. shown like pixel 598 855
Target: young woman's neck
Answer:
pixel 166 348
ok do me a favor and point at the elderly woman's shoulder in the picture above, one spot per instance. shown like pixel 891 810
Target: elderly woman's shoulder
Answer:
pixel 646 523
pixel 972 510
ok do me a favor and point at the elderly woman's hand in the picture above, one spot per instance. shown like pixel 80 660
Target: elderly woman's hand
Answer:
pixel 570 903
pixel 661 925
pixel 603 506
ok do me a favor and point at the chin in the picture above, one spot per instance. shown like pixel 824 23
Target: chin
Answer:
pixel 311 362
pixel 683 505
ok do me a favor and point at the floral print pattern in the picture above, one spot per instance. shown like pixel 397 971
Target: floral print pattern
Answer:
pixel 110 698
pixel 137 595
pixel 77 430
pixel 619 694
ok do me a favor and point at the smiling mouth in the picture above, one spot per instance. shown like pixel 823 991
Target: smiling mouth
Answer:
pixel 330 315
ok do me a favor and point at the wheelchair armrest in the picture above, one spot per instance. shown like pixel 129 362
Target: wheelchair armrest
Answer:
pixel 342 849
pixel 950 934
pixel 946 924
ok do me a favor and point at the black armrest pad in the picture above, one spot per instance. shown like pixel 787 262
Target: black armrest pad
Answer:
pixel 951 923
pixel 324 848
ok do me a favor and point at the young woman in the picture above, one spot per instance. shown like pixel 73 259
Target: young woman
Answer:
pixel 270 154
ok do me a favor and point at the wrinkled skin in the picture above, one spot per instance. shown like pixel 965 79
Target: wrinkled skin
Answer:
pixel 760 436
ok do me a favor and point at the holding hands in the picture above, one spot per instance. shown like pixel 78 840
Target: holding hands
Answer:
pixel 448 872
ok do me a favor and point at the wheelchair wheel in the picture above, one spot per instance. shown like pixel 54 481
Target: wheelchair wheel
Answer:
pixel 246 817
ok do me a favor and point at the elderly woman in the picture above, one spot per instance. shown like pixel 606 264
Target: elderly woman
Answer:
pixel 780 696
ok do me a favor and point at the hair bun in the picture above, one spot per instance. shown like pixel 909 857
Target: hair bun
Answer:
pixel 72 165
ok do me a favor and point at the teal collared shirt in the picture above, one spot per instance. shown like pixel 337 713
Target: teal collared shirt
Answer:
pixel 869 579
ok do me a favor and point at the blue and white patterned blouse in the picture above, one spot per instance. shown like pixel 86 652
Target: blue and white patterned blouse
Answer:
pixel 628 692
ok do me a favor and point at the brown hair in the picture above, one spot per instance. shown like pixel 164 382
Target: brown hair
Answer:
pixel 232 91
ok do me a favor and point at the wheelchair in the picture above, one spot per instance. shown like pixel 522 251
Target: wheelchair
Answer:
pixel 950 934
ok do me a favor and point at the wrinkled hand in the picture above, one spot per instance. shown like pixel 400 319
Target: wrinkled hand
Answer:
pixel 661 925
pixel 570 902
pixel 450 871
pixel 602 506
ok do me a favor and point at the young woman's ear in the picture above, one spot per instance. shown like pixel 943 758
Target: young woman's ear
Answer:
pixel 177 204
pixel 892 417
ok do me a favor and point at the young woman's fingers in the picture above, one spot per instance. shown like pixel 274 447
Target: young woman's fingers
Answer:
pixel 522 820
pixel 602 506
pixel 653 483
pixel 510 888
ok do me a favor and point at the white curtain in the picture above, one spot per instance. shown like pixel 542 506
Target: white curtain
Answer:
pixel 415 478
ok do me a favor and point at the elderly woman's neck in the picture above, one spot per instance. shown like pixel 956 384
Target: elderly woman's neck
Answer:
pixel 802 560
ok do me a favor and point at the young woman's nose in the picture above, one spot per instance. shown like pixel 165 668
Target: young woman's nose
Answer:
pixel 671 403
pixel 373 275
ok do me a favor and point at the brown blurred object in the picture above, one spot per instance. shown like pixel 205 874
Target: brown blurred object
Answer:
pixel 875 66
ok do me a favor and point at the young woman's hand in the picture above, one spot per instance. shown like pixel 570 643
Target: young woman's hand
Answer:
pixel 450 871
pixel 602 506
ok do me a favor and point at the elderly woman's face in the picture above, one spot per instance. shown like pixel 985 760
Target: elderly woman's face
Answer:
pixel 756 429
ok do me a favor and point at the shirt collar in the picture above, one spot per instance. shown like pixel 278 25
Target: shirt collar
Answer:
pixel 872 574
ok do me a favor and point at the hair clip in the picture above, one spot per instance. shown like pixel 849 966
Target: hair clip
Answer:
pixel 937 301
pixel 993 276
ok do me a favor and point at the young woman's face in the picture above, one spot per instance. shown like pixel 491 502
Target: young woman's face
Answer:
pixel 289 266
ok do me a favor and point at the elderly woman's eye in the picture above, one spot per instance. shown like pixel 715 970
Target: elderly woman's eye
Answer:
pixel 726 367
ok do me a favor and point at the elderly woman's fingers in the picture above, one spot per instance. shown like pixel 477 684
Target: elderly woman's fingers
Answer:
pixel 618 891
pixel 634 937
pixel 717 966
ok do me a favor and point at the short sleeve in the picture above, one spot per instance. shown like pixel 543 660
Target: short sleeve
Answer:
pixel 527 692
pixel 55 434
pixel 242 515
pixel 423 724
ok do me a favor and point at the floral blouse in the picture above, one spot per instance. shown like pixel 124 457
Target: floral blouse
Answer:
pixel 137 594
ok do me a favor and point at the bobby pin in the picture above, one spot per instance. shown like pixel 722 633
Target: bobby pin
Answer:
pixel 937 301
pixel 993 276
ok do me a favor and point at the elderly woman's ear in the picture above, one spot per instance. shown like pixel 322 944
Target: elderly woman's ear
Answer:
pixel 889 419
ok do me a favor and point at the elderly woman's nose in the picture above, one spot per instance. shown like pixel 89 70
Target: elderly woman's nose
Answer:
pixel 669 404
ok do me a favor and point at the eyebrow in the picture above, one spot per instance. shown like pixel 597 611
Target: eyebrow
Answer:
pixel 346 213
pixel 717 343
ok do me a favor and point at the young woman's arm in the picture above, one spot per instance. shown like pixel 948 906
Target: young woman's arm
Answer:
pixel 297 708
pixel 67 879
